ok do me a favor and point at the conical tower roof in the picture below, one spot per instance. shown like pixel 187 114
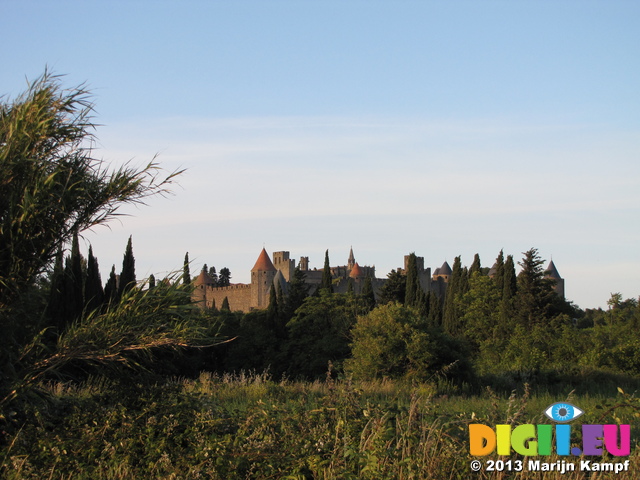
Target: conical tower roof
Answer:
pixel 445 269
pixel 204 279
pixel 263 264
pixel 552 271
pixel 356 271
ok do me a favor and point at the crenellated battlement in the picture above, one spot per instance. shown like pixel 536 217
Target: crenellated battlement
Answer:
pixel 235 286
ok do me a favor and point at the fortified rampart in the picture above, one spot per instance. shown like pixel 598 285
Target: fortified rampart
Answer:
pixel 265 274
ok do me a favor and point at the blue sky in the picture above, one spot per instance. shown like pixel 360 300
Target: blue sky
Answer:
pixel 444 128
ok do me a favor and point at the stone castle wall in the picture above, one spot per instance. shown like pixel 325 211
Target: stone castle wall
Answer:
pixel 239 297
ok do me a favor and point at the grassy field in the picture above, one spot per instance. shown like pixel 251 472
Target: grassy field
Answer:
pixel 252 427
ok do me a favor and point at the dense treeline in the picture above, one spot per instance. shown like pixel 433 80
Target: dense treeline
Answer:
pixel 506 327
pixel 503 328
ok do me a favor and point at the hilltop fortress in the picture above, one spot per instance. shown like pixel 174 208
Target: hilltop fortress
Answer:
pixel 255 295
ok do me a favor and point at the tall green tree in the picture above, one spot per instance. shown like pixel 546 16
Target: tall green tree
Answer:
pixel 272 308
pixel 128 273
pixel 214 276
pixel 111 287
pixel 225 305
pixel 394 289
pixel 434 318
pixel 412 282
pixel 451 315
pixel 509 289
pixel 327 279
pixel 498 277
pixel 56 303
pixel 281 297
pixel 93 291
pixel 224 279
pixel 74 284
pixel 186 273
pixel 298 291
pixel 319 333
pixel 475 266
pixel 534 292
pixel 368 295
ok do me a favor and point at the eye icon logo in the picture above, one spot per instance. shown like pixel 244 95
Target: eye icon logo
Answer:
pixel 563 412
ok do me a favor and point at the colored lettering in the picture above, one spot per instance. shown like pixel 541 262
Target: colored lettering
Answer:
pixel 523 440
pixel 621 449
pixel 563 439
pixel 482 440
pixel 529 440
pixel 592 439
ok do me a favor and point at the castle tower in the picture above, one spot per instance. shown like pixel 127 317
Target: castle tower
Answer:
pixel 262 275
pixel 284 264
pixel 419 263
pixel 352 260
pixel 443 272
pixel 356 272
pixel 303 264
pixel 551 273
pixel 200 286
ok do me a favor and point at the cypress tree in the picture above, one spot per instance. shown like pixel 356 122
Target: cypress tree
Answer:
pixel 498 278
pixel 465 285
pixel 281 300
pixel 435 310
pixel 152 282
pixel 475 266
pixel 368 295
pixel 128 274
pixel 327 283
pixel 510 283
pixel 350 286
pixel 225 305
pixel 186 275
pixel 298 291
pixel 454 288
pixel 111 288
pixel 272 309
pixel 74 283
pixel 213 275
pixel 55 306
pixel 413 283
pixel 509 289
pixel 93 292
pixel 422 304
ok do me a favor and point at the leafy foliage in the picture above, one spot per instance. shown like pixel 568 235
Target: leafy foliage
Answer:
pixel 394 341
pixel 318 333
pixel 51 190
pixel 50 185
